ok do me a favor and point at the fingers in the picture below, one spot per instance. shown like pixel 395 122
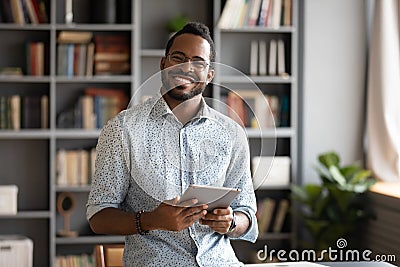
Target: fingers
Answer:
pixel 188 203
pixel 173 201
pixel 219 220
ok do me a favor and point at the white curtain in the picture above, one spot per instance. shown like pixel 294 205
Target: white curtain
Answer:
pixel 383 98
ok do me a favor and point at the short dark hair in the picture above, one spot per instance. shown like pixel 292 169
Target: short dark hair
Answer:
pixel 196 28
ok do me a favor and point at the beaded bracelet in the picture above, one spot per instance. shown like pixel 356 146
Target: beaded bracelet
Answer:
pixel 138 225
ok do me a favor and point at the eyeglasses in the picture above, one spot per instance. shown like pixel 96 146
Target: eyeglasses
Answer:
pixel 197 63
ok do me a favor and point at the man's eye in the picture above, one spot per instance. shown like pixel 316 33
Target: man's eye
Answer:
pixel 178 58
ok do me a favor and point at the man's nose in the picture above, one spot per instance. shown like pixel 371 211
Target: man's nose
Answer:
pixel 186 66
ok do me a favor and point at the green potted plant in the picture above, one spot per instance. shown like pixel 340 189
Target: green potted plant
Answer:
pixel 334 208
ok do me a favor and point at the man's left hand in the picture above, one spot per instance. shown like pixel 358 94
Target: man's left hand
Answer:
pixel 219 220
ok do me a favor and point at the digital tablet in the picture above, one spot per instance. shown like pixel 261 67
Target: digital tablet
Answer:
pixel 215 197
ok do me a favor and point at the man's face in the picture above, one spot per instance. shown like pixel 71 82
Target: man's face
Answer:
pixel 188 79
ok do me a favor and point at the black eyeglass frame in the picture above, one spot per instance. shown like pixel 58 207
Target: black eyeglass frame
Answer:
pixel 200 67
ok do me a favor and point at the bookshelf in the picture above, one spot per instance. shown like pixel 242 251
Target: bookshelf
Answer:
pixel 283 140
pixel 29 156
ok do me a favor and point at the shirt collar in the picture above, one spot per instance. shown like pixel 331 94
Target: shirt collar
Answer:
pixel 160 108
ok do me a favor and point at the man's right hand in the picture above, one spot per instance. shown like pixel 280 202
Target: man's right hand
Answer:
pixel 172 217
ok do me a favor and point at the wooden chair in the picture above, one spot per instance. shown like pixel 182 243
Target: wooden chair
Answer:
pixel 109 255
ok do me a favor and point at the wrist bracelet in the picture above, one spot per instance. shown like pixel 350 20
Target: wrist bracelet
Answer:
pixel 138 224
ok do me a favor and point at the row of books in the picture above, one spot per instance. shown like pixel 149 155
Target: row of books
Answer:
pixel 251 13
pixel 25 112
pixel 23 11
pixel 83 260
pixel 75 167
pixel 75 59
pixel 271 63
pixel 271 214
pixel 34 61
pixel 81 53
pixel 93 108
pixel 253 110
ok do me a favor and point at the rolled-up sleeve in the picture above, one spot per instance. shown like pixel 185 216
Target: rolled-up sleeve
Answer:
pixel 239 176
pixel 110 181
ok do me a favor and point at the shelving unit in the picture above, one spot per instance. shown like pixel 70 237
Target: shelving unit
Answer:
pixel 28 156
pixel 233 49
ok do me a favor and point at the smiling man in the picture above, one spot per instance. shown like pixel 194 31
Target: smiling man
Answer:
pixel 150 153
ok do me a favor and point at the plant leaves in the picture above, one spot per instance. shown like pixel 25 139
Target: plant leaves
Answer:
pixel 329 159
pixel 360 176
pixel 336 175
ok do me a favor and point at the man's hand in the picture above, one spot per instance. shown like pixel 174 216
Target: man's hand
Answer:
pixel 219 220
pixel 169 216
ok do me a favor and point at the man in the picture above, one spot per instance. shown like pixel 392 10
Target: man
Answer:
pixel 150 153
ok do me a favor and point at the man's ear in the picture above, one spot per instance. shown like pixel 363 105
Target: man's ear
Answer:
pixel 162 63
pixel 210 75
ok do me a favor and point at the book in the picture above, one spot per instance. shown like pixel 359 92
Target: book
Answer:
pixel 226 15
pixel 72 164
pixel 109 92
pixel 263 12
pixel 61 167
pixel 44 111
pixel 31 11
pixel 262 58
pixel 265 214
pixel 274 106
pixel 83 157
pixel 272 58
pixel 11 71
pixel 74 37
pixel 88 116
pixel 89 59
pixel 43 17
pixel 287 12
pixel 254 12
pixel 112 54
pixel 3 112
pixel 15 112
pixel 35 58
pixel 17 12
pixel 112 67
pixel 276 13
pixel 236 110
pixel 285 111
pixel 253 57
pixel 281 59
pixel 62 59
pixel 282 210
pixel 261 111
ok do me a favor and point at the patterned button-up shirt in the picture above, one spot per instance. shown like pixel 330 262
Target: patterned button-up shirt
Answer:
pixel 145 155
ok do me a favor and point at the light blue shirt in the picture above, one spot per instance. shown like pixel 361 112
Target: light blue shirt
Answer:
pixel 145 155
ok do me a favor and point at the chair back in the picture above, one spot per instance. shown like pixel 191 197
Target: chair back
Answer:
pixel 109 255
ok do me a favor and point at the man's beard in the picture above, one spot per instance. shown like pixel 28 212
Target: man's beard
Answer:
pixel 177 92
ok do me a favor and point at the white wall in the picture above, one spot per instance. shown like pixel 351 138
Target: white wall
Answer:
pixel 334 75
